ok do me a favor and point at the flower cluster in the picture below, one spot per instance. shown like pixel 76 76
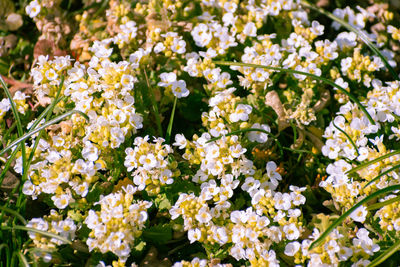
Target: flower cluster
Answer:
pixel 249 233
pixel 54 224
pixel 151 163
pixel 118 223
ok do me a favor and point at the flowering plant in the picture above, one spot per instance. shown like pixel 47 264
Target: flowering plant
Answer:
pixel 199 133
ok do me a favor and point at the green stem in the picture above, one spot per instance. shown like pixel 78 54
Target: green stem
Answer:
pixel 171 121
pixel 154 105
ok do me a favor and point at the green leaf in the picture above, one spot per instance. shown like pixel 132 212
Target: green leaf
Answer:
pixel 159 234
pixel 386 254
pixel 320 239
pixel 352 98
pixel 162 202
pixel 94 193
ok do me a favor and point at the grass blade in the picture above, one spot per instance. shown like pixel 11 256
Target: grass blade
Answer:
pixel 7 252
pixel 8 164
pixel 16 214
pixel 320 239
pixel 22 259
pixel 378 159
pixel 348 138
pixel 30 229
pixel 384 203
pixel 352 98
pixel 45 125
pixel 17 119
pixel 389 252
pixel 382 174
pixel 171 121
pixel 359 33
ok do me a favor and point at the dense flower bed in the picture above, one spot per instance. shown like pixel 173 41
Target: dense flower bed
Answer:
pixel 201 133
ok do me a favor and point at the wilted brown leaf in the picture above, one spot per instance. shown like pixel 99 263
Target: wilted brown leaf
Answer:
pixel 272 99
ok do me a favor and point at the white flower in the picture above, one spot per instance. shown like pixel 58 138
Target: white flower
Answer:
pixel 39 224
pixel 291 231
pixel 292 248
pixel 260 137
pixel 237 150
pixel 180 141
pixel 194 235
pixel 140 181
pixel 282 201
pixel 250 29
pixel 212 75
pixel 201 35
pixel 237 252
pixel 359 214
pixel 167 78
pixel 317 28
pixel 220 235
pixel 82 189
pixel 250 184
pixel 396 224
pixel 28 188
pixel 4 106
pixel 344 253
pixel 203 216
pixel 90 152
pixel 62 201
pixel 178 46
pixel 179 89
pixel 33 9
pixel 51 75
pixel 100 50
pixel 148 161
pixel 361 263
pixel 241 113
